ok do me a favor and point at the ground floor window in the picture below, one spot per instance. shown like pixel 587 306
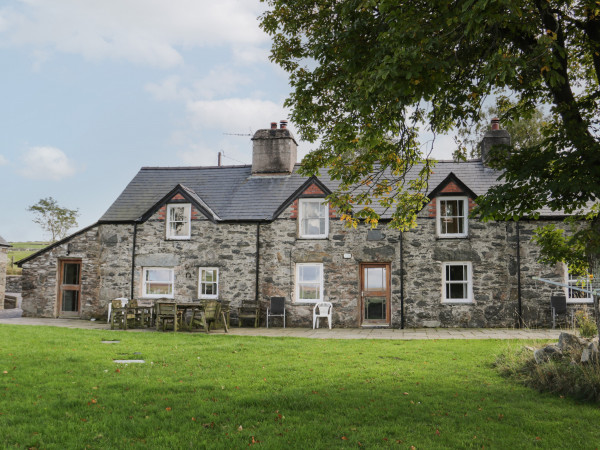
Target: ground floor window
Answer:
pixel 309 282
pixel 457 282
pixel 209 282
pixel 158 282
pixel 573 281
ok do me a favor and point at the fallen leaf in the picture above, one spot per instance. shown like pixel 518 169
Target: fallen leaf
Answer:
pixel 193 419
pixel 405 393
pixel 168 408
pixel 240 428
pixel 437 432
pixel 344 438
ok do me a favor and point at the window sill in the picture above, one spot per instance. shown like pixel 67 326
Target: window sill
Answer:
pixel 312 238
pixel 458 302
pixel 579 301
pixel 184 238
pixel 453 236
pixel 306 302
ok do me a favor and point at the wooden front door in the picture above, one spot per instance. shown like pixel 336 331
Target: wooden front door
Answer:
pixel 375 293
pixel 69 288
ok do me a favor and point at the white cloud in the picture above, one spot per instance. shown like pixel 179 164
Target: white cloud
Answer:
pixel 3 160
pixel 219 81
pixel 235 114
pixel 46 163
pixel 142 31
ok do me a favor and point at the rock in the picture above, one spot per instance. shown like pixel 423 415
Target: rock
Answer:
pixel 547 353
pixel 568 342
pixel 591 354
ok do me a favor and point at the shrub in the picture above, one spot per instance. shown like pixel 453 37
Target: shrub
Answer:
pixel 565 376
pixel 587 326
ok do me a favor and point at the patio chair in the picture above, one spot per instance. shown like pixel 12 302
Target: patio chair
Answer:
pixel 166 312
pixel 207 315
pixel 250 310
pixel 558 305
pixel 322 309
pixel 276 309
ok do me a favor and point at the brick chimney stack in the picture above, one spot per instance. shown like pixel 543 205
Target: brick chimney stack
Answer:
pixel 493 140
pixel 274 151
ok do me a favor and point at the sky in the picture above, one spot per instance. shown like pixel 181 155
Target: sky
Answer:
pixel 90 92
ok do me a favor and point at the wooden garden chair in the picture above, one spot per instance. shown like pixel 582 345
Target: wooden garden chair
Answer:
pixel 166 312
pixel 249 310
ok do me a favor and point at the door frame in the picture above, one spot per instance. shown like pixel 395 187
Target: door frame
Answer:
pixel 388 293
pixel 68 287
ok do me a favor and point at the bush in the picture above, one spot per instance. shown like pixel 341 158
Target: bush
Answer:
pixel 565 376
pixel 587 326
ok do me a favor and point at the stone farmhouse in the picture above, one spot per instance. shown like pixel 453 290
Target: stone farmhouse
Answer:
pixel 262 230
pixel 4 246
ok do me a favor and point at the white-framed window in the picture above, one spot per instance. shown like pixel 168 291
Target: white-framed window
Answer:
pixel 576 296
pixel 313 216
pixel 208 283
pixel 158 282
pixel 452 216
pixel 457 285
pixel 178 221
pixel 309 282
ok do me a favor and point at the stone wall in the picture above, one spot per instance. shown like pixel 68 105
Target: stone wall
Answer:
pixel 415 259
pixel 3 264
pixel 13 283
pixel 230 247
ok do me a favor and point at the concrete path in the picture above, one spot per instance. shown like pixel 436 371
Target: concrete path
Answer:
pixel 324 333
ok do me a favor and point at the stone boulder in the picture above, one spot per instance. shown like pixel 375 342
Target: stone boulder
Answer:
pixel 570 343
pixel 591 354
pixel 547 353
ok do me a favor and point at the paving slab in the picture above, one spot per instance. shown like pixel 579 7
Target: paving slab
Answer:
pixel 323 333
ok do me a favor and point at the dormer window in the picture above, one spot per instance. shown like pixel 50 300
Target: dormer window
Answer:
pixel 313 215
pixel 451 217
pixel 178 221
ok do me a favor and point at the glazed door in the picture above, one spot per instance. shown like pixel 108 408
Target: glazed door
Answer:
pixel 375 293
pixel 69 288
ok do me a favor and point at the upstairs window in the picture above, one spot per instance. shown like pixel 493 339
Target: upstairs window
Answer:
pixel 209 282
pixel 178 221
pixel 457 282
pixel 575 295
pixel 314 218
pixel 309 283
pixel 158 282
pixel 452 216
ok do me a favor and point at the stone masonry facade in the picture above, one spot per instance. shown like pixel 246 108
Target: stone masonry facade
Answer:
pixel 415 259
pixel 3 265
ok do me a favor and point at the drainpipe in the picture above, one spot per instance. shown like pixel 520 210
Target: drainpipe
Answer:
pixel 520 305
pixel 133 256
pixel 401 280
pixel 257 259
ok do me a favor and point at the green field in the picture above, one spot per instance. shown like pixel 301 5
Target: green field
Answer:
pixel 20 250
pixel 61 389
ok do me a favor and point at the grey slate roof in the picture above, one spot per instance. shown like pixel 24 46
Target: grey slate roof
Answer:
pixel 3 243
pixel 233 193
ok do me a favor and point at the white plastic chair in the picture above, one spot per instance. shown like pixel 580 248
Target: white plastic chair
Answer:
pixel 322 309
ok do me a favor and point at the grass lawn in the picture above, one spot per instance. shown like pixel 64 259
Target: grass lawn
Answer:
pixel 20 250
pixel 59 388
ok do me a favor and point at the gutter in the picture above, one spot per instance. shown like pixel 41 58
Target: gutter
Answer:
pixel 402 321
pixel 519 299
pixel 135 224
pixel 256 291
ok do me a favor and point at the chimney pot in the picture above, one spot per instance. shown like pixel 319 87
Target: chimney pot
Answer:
pixel 495 123
pixel 283 124
pixel 273 125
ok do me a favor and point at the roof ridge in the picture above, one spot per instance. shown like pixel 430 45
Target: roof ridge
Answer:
pixel 193 167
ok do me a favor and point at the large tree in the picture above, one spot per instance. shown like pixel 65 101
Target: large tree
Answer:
pixel 53 218
pixel 367 74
